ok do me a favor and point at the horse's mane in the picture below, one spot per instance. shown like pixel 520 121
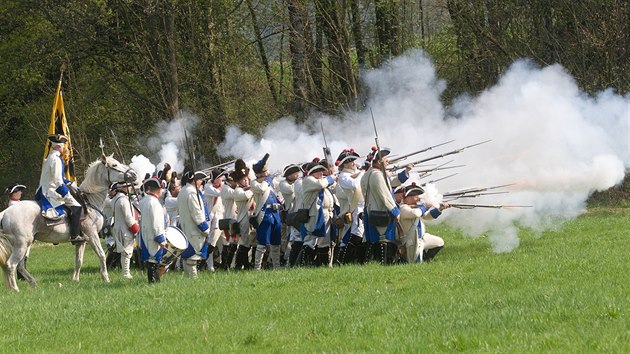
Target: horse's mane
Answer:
pixel 90 182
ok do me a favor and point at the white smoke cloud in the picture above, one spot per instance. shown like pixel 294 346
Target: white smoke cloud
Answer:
pixel 168 143
pixel 556 143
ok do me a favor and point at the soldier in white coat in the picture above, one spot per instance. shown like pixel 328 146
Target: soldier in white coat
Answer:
pixel 377 192
pixel 212 196
pixel 351 203
pixel 113 257
pixel 53 193
pixel 125 226
pixel 193 218
pixel 320 201
pixel 267 211
pixel 153 226
pixel 415 238
pixel 229 214
pixel 290 189
pixel 243 202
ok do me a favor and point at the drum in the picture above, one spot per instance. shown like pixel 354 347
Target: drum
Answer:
pixel 176 243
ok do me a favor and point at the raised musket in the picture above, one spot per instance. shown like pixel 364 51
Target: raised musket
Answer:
pixel 326 149
pixel 457 151
pixel 398 158
pixel 439 179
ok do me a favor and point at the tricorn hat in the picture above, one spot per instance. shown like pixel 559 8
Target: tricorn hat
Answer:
pixel 15 188
pixel 240 170
pixel 375 155
pixel 58 138
pixel 261 165
pixel 317 165
pixel 153 183
pixel 291 169
pixel 216 173
pixel 346 155
pixel 413 190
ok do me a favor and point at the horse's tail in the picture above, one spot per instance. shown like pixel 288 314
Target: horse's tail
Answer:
pixel 5 252
pixel 1 216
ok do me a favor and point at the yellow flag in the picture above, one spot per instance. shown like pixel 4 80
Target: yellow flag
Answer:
pixel 59 125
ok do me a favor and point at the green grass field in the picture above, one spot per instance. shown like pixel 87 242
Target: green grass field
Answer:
pixel 560 291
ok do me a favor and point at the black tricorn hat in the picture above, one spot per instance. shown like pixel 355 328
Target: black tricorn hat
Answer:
pixel 15 188
pixel 58 138
pixel 413 190
pixel 240 170
pixel 291 169
pixel 216 173
pixel 346 155
pixel 261 165
pixel 151 183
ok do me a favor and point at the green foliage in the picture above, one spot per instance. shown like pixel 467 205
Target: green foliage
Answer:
pixel 559 291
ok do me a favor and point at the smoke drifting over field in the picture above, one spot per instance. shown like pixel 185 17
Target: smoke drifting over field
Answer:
pixel 556 143
pixel 168 143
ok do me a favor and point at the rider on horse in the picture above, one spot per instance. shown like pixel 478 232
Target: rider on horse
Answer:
pixel 54 193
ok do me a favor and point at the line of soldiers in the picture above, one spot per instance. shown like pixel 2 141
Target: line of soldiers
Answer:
pixel 316 214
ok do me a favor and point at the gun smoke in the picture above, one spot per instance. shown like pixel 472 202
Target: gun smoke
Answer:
pixel 555 142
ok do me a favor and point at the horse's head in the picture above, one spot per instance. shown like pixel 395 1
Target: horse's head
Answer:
pixel 116 171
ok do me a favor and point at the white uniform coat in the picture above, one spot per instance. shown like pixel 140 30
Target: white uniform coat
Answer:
pixel 311 187
pixel 124 218
pixel 191 214
pixel 152 225
pixel 51 178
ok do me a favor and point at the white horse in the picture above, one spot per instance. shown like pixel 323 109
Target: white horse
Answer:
pixel 22 223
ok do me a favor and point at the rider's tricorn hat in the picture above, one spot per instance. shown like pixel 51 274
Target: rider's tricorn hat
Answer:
pixel 58 138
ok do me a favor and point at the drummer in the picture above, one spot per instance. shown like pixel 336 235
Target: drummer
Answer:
pixel 152 224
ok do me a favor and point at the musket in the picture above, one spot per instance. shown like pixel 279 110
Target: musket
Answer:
pixel 378 152
pixel 456 151
pixel 193 163
pixel 475 195
pixel 474 190
pixel 493 206
pixel 439 179
pixel 208 169
pixel 327 153
pixel 398 158
pixel 118 146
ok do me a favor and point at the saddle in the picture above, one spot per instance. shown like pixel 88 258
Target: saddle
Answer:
pixel 62 220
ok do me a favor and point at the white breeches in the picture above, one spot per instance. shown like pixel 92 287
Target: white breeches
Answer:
pixel 432 241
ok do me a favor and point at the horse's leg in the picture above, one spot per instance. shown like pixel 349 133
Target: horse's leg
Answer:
pixel 95 242
pixel 27 276
pixel 78 260
pixel 16 257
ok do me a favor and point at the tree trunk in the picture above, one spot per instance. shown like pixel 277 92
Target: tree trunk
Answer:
pixel 261 51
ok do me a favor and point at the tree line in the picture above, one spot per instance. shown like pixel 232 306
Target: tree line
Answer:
pixel 131 63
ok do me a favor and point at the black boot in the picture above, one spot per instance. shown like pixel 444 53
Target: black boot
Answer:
pixel 382 253
pixel 306 256
pixel 250 261
pixel 241 257
pixel 75 225
pixel 295 251
pixel 153 272
pixel 351 254
pixel 113 258
pixel 323 256
pixel 428 255
pixel 340 255
pixel 363 252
